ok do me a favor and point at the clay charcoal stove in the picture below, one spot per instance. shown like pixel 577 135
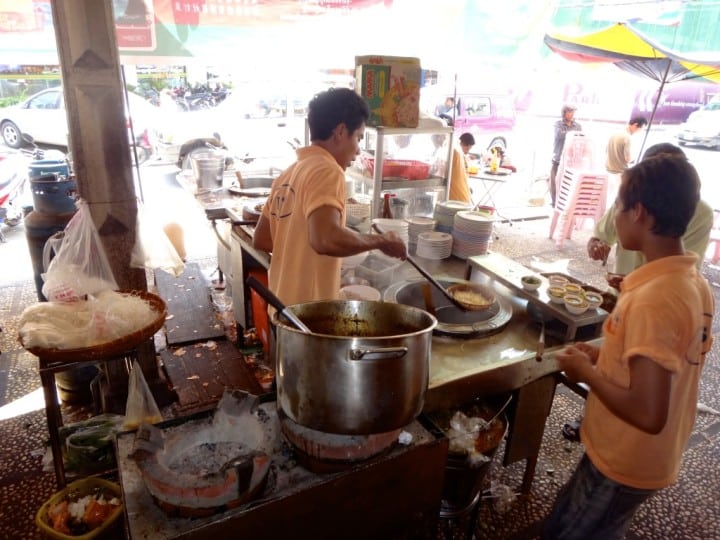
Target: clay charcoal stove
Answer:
pixel 322 452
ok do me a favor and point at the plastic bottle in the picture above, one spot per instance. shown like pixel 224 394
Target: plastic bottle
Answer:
pixel 386 212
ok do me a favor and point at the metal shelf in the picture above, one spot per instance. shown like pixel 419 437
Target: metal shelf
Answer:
pixel 381 184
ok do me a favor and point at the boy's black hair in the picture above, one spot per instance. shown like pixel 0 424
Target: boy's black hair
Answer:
pixel 639 120
pixel 335 106
pixel 668 187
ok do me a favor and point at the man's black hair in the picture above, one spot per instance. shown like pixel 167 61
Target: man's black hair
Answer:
pixel 640 121
pixel 663 148
pixel 668 187
pixel 333 107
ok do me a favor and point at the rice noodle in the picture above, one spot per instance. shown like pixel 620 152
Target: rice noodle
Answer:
pixel 70 325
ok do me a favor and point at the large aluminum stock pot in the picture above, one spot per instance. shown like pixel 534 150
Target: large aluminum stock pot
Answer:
pixel 363 369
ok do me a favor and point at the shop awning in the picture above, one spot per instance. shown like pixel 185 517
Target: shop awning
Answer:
pixel 632 51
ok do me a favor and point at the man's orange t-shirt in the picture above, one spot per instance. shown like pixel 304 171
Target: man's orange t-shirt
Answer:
pixel 297 272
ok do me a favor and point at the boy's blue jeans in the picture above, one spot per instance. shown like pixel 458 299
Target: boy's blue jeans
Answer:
pixel 591 506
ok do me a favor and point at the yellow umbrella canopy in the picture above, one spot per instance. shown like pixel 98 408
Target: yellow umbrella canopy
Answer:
pixel 632 51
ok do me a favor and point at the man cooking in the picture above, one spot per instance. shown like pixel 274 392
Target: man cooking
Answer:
pixel 303 221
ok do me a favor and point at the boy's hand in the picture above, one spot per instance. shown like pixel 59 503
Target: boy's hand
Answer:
pixel 598 250
pixel 576 363
pixel 588 349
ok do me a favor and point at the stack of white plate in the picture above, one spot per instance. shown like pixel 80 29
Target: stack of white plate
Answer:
pixel 472 232
pixel 399 226
pixel 434 245
pixel 445 212
pixel 417 225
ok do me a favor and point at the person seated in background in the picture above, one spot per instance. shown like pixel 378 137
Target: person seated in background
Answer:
pixel 447 110
pixel 459 185
pixel 467 141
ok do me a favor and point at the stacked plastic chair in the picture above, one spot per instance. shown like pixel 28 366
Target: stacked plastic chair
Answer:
pixel 582 191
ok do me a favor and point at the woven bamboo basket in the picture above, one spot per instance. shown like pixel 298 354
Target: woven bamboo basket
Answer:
pixel 112 348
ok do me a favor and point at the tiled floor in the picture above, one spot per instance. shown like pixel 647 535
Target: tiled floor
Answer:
pixel 687 510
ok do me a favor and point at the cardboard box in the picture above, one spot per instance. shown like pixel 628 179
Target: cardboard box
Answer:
pixel 391 87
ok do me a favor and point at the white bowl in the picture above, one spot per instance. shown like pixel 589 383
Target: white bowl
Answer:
pixel 558 297
pixel 530 283
pixel 574 288
pixel 593 299
pixel 360 292
pixel 557 281
pixel 575 304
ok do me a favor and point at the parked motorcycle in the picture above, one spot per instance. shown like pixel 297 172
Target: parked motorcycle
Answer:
pixel 13 184
pixel 142 149
pixel 16 168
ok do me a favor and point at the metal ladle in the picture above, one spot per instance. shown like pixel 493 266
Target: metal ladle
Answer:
pixel 431 279
pixel 275 302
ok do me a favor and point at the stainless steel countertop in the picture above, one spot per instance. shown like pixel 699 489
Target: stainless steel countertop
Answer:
pixel 464 369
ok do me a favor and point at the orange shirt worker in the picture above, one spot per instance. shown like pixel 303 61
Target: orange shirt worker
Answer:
pixel 303 221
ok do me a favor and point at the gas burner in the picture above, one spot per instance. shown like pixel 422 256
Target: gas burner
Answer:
pixel 323 453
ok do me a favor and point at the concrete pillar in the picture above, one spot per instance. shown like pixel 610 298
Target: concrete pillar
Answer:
pixel 94 97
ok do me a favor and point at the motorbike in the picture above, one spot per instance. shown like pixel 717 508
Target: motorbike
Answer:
pixel 13 184
pixel 16 167
pixel 142 149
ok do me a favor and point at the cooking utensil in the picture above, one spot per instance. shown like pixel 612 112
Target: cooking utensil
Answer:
pixel 501 410
pixel 424 273
pixel 540 350
pixel 275 302
pixel 427 298
pixel 364 369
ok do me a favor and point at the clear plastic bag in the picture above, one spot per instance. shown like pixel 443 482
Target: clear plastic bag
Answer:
pixel 153 249
pixel 80 266
pixel 141 407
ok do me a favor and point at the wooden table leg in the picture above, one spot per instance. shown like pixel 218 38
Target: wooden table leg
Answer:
pixel 529 412
pixel 54 420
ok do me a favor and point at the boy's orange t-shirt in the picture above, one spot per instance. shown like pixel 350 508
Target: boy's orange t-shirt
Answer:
pixel 297 272
pixel 664 312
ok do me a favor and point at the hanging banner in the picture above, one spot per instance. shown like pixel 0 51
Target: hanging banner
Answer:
pixel 165 31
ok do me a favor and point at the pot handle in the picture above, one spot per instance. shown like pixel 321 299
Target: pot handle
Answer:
pixel 393 352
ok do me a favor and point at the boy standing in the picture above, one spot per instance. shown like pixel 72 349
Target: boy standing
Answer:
pixel 644 378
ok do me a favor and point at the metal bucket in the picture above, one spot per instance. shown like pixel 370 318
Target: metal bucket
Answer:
pixel 40 167
pixel 53 194
pixel 208 168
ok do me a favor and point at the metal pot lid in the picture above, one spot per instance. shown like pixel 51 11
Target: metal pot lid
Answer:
pixel 452 321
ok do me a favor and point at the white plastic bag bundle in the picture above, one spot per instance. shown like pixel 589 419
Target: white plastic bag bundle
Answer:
pixel 81 266
pixel 153 249
pixel 141 407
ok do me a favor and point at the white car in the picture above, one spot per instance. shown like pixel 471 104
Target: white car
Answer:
pixel 702 127
pixel 255 130
pixel 43 117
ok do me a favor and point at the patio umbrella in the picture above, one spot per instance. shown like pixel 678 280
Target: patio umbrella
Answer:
pixel 632 51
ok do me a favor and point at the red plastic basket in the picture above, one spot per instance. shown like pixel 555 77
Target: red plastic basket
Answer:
pixel 409 169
